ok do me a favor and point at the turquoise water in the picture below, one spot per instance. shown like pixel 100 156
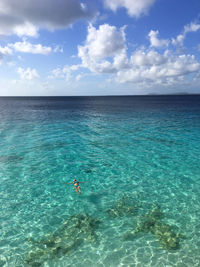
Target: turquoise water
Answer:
pixel 137 154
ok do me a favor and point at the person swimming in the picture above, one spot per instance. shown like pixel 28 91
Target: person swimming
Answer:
pixel 77 186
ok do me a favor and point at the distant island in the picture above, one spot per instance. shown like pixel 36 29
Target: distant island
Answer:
pixel 177 93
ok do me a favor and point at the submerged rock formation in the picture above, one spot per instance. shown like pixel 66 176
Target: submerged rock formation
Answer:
pixel 70 235
pixel 125 206
pixel 152 222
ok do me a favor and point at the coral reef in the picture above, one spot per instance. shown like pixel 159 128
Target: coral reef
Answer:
pixel 152 222
pixel 125 206
pixel 70 235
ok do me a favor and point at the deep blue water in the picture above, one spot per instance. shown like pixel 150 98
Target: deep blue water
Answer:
pixel 137 154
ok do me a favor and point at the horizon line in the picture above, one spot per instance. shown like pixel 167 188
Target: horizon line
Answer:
pixel 149 95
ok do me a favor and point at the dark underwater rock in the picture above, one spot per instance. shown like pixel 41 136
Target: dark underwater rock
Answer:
pixel 152 223
pixel 67 238
pixel 2 263
pixel 125 206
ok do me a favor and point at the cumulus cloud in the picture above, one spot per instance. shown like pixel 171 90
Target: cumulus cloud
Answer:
pixel 142 58
pixel 25 17
pixel 104 42
pixel 27 74
pixel 153 37
pixel 192 27
pixel 134 8
pixel 101 46
pixel 154 67
pixel 143 65
pixel 105 51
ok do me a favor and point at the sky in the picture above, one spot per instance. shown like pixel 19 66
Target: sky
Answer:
pixel 99 47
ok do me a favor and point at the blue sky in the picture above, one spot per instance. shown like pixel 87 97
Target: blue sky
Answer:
pixel 99 47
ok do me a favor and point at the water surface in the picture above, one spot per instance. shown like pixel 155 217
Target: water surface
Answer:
pixel 140 152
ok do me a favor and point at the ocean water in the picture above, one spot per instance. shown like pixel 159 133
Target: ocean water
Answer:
pixel 139 159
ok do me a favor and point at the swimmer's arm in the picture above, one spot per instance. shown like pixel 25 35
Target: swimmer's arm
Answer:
pixel 79 182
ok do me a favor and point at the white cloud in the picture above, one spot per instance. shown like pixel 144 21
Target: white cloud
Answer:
pixel 153 37
pixel 192 27
pixel 135 8
pixel 57 73
pixel 4 51
pixel 105 51
pixel 104 42
pixel 26 28
pixel 141 58
pixel 25 18
pixel 26 47
pixel 101 46
pixel 58 48
pixel 65 72
pixel 120 61
pixel 142 66
pixel 179 40
pixel 158 68
pixel 27 74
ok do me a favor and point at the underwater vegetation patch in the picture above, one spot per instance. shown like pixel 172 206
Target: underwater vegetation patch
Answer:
pixel 125 206
pixel 152 222
pixel 68 237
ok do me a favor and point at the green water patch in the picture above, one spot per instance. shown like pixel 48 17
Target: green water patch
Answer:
pixel 76 230
pixel 152 223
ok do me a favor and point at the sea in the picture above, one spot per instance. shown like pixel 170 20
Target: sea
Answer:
pixel 137 159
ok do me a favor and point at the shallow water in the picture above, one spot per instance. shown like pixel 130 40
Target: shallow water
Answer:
pixel 145 149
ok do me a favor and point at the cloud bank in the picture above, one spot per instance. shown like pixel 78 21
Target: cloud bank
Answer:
pixel 105 51
pixel 25 18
